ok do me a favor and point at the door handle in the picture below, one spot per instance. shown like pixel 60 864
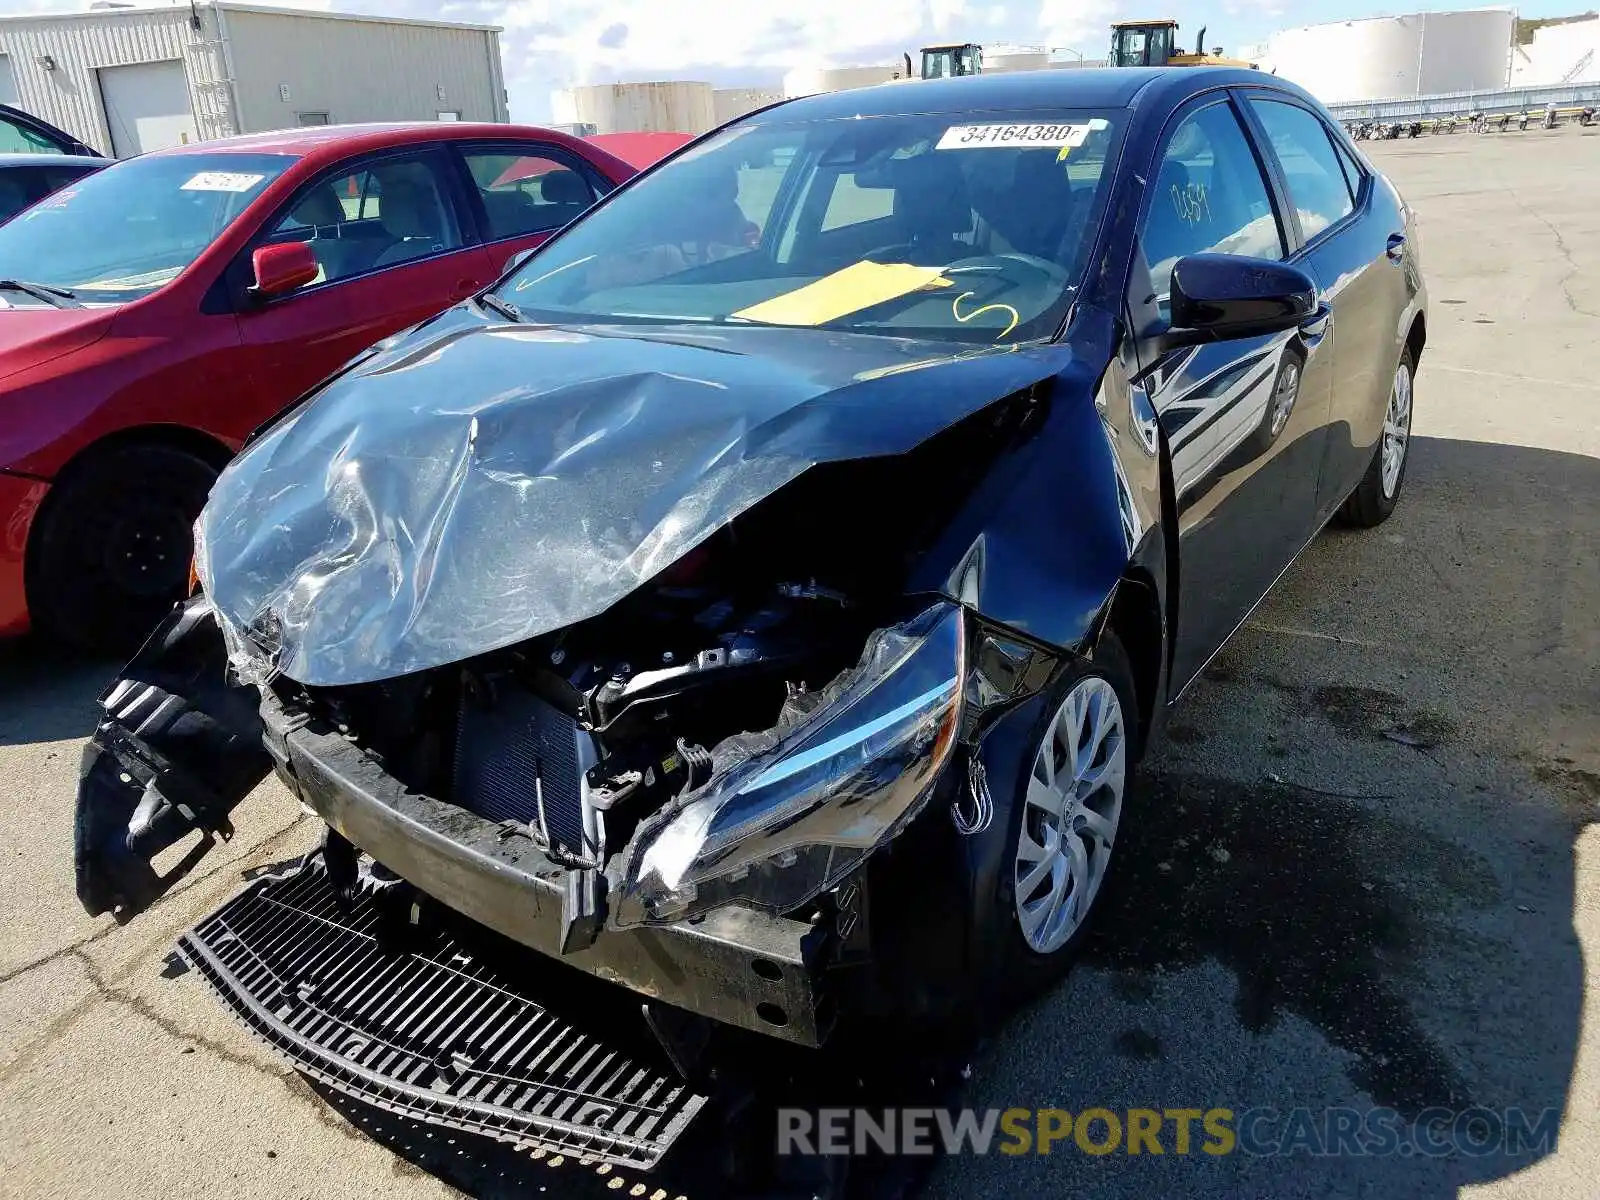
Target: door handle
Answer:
pixel 1314 327
pixel 1397 247
pixel 464 288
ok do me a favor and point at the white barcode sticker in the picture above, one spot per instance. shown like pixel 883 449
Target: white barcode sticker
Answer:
pixel 221 181
pixel 970 137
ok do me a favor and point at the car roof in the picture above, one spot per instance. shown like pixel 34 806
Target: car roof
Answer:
pixel 337 140
pixel 53 160
pixel 1077 87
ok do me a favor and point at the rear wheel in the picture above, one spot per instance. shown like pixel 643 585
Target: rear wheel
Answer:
pixel 1379 490
pixel 111 554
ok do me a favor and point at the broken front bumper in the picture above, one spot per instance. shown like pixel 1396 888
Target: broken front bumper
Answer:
pixel 735 966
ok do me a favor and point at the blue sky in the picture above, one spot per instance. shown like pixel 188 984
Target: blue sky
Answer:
pixel 556 43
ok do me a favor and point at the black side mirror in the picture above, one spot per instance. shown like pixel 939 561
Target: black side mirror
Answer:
pixel 1215 297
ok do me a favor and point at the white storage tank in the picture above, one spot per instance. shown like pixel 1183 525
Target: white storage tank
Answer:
pixel 735 102
pixel 809 81
pixel 1015 59
pixel 677 106
pixel 1565 53
pixel 1391 57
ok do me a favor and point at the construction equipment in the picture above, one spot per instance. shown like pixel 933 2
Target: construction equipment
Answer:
pixel 957 58
pixel 1154 44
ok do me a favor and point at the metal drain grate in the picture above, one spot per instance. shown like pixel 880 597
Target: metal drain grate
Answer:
pixel 430 1032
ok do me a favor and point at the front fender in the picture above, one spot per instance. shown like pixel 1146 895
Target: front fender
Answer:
pixel 1042 542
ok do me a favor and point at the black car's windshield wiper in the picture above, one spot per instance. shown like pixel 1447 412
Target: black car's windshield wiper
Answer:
pixel 505 308
pixel 58 297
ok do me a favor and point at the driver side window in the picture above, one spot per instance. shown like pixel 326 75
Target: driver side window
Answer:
pixel 378 214
pixel 1209 195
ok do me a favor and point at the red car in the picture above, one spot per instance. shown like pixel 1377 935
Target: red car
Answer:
pixel 153 314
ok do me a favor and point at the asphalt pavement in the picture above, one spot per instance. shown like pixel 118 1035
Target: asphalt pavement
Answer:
pixel 1363 871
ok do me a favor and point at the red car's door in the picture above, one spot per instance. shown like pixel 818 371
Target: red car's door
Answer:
pixel 393 248
pixel 523 192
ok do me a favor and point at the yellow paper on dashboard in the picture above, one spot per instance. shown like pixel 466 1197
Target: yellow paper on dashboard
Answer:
pixel 858 286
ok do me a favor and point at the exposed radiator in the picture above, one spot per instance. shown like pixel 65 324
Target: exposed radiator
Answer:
pixel 518 752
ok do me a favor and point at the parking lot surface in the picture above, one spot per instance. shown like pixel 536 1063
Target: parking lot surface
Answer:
pixel 1364 869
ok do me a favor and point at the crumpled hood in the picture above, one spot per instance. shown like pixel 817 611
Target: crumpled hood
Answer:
pixel 32 334
pixel 481 482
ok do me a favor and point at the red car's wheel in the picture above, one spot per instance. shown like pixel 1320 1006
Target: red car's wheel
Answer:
pixel 111 552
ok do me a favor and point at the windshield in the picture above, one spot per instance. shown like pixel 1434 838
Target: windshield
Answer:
pixel 126 231
pixel 914 226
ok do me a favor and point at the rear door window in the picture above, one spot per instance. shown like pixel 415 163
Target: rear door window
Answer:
pixel 524 192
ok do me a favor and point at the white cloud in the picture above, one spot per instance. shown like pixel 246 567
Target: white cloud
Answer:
pixel 551 44
pixel 1085 25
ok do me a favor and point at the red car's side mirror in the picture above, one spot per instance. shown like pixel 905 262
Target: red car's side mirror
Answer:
pixel 281 268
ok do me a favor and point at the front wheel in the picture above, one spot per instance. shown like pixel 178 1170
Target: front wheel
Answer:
pixel 1068 809
pixel 1379 490
pixel 111 554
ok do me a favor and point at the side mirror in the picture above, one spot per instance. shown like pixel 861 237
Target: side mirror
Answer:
pixel 281 268
pixel 1215 297
pixel 517 259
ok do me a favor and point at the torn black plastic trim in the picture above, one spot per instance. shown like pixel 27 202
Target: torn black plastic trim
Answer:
pixel 177 749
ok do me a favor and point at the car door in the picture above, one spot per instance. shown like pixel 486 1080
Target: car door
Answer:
pixel 393 248
pixel 1244 419
pixel 521 192
pixel 1353 235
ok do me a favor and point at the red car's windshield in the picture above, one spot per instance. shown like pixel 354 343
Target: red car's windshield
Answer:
pixel 134 227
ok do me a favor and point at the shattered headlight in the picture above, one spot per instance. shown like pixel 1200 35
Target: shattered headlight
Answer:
pixel 788 814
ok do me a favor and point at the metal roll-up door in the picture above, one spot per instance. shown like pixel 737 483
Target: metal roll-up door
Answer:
pixel 147 106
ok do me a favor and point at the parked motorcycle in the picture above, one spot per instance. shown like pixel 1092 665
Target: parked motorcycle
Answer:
pixel 1587 116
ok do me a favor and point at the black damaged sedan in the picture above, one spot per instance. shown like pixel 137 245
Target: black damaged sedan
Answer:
pixel 761 597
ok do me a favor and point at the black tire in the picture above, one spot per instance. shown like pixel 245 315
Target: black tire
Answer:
pixel 111 553
pixel 1025 971
pixel 1369 505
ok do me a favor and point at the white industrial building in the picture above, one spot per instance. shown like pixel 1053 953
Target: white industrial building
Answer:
pixel 1382 58
pixel 128 79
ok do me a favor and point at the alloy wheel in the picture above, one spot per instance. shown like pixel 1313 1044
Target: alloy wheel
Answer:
pixel 1283 397
pixel 1396 429
pixel 1071 810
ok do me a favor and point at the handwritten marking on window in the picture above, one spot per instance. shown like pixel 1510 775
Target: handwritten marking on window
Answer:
pixel 1191 202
